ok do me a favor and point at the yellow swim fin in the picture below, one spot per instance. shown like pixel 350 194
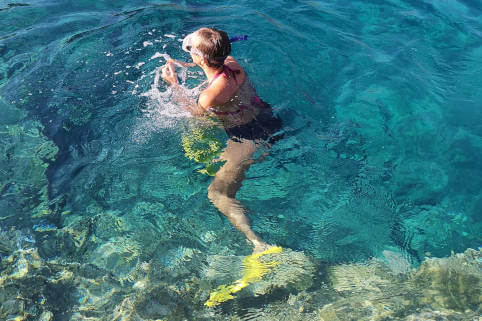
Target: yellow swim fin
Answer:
pixel 254 270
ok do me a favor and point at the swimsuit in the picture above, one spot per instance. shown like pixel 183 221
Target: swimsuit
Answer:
pixel 264 126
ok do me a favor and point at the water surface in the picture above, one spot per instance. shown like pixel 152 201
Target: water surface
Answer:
pixel 381 158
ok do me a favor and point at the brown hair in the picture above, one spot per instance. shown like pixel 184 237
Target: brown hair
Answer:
pixel 214 44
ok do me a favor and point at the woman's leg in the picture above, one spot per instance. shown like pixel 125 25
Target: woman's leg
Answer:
pixel 227 182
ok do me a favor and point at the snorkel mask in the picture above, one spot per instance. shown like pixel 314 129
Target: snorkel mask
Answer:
pixel 187 43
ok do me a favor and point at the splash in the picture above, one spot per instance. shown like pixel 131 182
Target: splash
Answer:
pixel 161 110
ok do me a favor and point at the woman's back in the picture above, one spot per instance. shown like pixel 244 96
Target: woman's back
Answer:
pixel 240 103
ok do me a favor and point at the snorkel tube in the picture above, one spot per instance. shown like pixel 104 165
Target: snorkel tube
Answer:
pixel 238 38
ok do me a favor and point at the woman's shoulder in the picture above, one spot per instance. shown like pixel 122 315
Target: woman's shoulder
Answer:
pixel 222 91
pixel 231 60
pixel 234 65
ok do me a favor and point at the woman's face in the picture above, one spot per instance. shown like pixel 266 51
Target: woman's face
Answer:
pixel 196 59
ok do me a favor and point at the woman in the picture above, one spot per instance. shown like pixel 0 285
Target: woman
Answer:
pixel 248 121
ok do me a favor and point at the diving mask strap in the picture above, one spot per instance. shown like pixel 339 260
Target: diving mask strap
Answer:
pixel 187 43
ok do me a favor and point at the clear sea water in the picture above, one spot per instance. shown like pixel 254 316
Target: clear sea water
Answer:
pixel 381 103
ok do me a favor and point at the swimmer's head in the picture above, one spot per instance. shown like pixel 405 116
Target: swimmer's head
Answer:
pixel 210 44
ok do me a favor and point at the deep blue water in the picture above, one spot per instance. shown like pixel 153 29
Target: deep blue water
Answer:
pixel 381 104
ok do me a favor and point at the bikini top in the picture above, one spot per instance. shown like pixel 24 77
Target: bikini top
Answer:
pixel 255 100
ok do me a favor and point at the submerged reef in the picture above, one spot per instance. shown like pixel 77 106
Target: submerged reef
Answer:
pixel 296 288
pixel 447 288
pixel 119 260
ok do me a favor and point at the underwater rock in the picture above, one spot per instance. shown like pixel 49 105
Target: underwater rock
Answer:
pixel 10 115
pixel 109 239
pixel 437 231
pixel 160 302
pixel 46 316
pixel 366 116
pixel 370 291
pixel 79 112
pixel 38 289
pixel 109 224
pixel 397 262
pixel 440 315
pixel 12 240
pixel 72 242
pixel 32 288
pixel 422 182
pixel 355 229
pixel 25 154
pixel 119 255
pixel 451 283
pixel 372 276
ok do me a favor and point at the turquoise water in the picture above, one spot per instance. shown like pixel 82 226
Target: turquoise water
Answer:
pixel 381 105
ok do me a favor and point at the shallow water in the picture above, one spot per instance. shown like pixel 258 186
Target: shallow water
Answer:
pixel 381 158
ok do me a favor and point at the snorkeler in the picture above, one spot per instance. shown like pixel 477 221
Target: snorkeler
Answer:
pixel 248 121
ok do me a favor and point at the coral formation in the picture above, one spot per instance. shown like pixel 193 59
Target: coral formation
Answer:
pixel 452 283
pixel 32 287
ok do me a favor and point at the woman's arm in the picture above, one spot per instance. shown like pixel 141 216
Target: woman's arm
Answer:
pixel 181 63
pixel 182 99
pixel 178 92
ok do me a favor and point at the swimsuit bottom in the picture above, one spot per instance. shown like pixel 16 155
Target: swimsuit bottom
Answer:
pixel 265 127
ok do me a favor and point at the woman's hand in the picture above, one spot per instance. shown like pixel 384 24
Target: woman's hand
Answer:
pixel 169 73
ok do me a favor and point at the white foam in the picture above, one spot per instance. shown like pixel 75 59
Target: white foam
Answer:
pixel 161 55
pixel 162 112
pixel 156 55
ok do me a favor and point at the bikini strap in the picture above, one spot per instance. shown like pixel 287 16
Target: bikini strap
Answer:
pixel 216 76
pixel 233 72
pixel 223 72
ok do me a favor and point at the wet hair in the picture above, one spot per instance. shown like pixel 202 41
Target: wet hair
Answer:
pixel 214 44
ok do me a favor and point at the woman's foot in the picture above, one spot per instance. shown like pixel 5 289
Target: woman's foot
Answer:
pixel 260 246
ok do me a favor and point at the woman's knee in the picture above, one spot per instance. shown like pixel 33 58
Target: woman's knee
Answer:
pixel 214 193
